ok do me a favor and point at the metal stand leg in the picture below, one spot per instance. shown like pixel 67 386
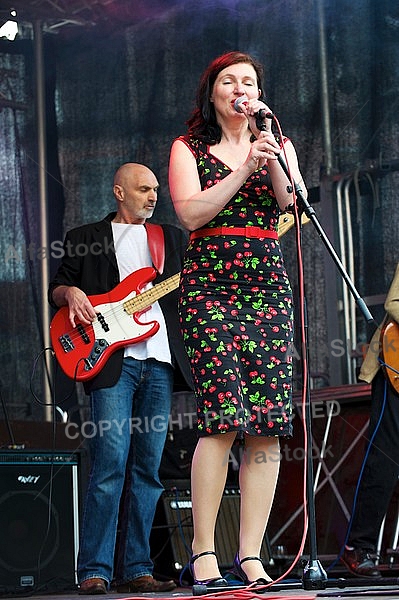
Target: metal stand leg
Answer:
pixel 379 542
pixel 392 552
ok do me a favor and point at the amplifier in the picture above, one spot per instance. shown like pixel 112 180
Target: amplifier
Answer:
pixel 177 508
pixel 39 520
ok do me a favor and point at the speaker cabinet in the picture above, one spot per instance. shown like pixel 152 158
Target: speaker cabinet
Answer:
pixel 39 520
pixel 177 507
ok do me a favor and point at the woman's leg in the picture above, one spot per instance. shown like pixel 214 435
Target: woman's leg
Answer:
pixel 258 479
pixel 208 479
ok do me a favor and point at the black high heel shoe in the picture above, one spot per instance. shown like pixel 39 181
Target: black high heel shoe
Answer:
pixel 215 581
pixel 239 571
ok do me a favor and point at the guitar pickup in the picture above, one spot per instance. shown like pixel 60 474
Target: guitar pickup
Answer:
pixel 83 333
pixel 66 342
pixel 103 322
pixel 98 349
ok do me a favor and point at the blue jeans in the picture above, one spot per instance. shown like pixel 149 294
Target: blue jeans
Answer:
pixel 127 437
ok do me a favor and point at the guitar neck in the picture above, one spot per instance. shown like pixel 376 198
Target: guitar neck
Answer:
pixel 144 300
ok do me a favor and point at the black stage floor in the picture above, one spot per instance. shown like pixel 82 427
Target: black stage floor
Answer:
pixel 339 585
pixel 388 589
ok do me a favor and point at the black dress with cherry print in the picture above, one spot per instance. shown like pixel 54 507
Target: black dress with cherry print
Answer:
pixel 236 312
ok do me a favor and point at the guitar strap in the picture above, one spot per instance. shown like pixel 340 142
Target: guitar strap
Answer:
pixel 156 243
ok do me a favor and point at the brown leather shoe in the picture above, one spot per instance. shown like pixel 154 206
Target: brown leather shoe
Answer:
pixel 360 563
pixel 93 586
pixel 146 583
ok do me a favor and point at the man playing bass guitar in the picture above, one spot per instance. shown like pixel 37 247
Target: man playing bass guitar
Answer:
pixel 131 394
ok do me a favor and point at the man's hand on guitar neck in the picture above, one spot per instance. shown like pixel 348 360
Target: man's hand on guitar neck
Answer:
pixel 79 305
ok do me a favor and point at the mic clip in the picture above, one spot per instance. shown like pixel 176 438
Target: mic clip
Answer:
pixel 260 123
pixel 260 117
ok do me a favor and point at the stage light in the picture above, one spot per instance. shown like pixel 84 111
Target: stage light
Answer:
pixel 10 28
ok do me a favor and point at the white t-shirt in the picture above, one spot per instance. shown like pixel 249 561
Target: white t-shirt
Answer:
pixel 132 253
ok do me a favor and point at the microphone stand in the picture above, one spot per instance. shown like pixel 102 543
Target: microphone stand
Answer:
pixel 314 576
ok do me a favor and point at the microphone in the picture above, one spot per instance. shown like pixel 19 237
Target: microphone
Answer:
pixel 241 100
pixel 262 113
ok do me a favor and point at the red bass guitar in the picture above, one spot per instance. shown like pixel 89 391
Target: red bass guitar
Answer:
pixel 83 351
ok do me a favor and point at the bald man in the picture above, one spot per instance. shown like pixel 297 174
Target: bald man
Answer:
pixel 130 396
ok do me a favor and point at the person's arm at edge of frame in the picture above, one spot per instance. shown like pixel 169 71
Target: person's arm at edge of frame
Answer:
pixel 371 364
pixel 391 305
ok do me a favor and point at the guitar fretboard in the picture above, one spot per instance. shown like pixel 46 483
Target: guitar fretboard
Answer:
pixel 145 299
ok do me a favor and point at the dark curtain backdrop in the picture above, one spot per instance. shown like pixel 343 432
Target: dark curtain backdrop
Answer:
pixel 123 94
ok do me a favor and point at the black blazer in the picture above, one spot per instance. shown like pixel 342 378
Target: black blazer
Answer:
pixel 89 262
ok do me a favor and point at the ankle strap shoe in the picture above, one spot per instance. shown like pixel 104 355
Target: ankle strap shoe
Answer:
pixel 215 581
pixel 239 571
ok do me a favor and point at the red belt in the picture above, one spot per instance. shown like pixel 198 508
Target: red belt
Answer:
pixel 249 232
